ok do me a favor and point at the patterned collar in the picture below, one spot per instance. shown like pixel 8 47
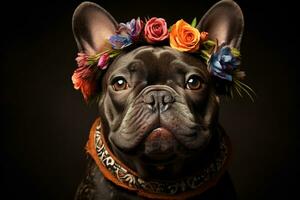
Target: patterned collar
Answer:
pixel 115 171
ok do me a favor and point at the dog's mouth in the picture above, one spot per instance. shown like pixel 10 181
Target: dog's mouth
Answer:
pixel 159 137
pixel 159 145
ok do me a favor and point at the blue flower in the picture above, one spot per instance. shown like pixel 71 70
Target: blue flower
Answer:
pixel 223 63
pixel 132 28
pixel 120 41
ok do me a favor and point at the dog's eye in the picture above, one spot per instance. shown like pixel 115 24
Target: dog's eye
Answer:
pixel 120 84
pixel 194 83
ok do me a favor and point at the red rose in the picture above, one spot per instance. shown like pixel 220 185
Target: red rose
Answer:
pixel 156 30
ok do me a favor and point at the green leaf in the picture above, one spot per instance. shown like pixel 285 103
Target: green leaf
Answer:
pixel 91 62
pixel 235 52
pixel 113 53
pixel 205 54
pixel 170 28
pixel 194 22
pixel 209 44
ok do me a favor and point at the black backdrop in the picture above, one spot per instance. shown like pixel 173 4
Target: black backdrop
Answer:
pixel 45 122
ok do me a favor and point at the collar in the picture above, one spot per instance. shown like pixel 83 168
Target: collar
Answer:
pixel 119 174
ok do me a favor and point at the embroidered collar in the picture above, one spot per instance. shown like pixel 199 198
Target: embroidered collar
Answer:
pixel 115 171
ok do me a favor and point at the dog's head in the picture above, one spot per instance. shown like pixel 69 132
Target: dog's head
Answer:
pixel 158 105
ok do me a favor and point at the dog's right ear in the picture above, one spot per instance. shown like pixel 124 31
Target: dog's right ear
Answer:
pixel 92 26
pixel 224 22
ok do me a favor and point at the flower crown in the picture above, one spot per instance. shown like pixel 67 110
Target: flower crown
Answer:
pixel 222 62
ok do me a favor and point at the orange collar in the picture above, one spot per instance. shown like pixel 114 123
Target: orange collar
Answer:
pixel 115 171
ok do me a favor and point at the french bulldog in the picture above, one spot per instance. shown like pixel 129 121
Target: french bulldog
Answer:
pixel 158 106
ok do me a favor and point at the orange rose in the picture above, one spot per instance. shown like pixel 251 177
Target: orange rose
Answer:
pixel 184 37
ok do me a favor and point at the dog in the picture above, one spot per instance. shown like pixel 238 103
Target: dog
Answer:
pixel 158 127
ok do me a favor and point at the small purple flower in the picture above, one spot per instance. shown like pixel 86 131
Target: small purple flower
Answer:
pixel 103 61
pixel 120 41
pixel 223 63
pixel 132 28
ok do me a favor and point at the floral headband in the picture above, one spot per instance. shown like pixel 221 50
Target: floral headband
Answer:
pixel 223 62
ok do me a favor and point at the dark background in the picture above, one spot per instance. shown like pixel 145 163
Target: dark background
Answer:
pixel 45 122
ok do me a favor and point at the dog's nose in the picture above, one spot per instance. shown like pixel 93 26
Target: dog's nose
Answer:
pixel 159 100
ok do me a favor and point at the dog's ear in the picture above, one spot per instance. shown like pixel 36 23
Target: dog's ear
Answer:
pixel 224 22
pixel 92 26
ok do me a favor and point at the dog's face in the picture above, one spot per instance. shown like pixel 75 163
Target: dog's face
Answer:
pixel 157 105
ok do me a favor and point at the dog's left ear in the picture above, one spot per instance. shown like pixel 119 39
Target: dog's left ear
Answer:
pixel 224 22
pixel 92 27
